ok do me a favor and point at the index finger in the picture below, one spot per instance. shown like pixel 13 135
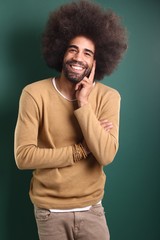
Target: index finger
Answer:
pixel 91 76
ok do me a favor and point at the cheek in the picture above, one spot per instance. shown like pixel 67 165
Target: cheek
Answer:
pixel 90 64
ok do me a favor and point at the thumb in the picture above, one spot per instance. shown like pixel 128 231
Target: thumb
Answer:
pixel 78 86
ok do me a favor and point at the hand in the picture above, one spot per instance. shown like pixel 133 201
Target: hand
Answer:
pixel 106 125
pixel 84 88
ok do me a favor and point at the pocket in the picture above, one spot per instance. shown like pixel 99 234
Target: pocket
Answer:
pixel 42 214
pixel 97 210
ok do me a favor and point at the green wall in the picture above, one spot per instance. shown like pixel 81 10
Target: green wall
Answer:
pixel 132 192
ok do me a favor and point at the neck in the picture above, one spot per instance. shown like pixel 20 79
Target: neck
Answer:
pixel 66 87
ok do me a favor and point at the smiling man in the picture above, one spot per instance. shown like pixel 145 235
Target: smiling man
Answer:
pixel 68 126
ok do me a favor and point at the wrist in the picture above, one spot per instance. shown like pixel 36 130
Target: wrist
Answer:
pixel 82 103
pixel 79 152
pixel 85 148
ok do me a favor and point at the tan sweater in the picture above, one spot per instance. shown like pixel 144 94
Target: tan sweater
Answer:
pixel 48 126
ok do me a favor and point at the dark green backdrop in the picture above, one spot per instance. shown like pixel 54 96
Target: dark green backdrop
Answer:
pixel 132 192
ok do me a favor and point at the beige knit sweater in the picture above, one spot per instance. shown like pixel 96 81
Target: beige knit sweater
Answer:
pixel 48 126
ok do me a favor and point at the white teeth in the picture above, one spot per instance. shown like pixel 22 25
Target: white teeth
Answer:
pixel 77 67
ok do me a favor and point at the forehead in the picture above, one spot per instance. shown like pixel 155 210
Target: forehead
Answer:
pixel 83 43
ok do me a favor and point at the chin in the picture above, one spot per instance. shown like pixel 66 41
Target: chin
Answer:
pixel 74 80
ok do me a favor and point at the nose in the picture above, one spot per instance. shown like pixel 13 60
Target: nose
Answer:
pixel 78 56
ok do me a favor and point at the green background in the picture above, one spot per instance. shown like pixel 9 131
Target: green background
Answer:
pixel 132 199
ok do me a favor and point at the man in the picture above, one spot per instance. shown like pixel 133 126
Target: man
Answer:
pixel 67 127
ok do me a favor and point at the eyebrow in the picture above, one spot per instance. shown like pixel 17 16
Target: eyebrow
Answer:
pixel 86 49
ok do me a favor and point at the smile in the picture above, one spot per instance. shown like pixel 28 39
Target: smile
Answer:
pixel 76 67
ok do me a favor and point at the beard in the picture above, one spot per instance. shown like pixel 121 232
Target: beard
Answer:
pixel 72 75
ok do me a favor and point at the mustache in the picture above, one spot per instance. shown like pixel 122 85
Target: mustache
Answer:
pixel 70 62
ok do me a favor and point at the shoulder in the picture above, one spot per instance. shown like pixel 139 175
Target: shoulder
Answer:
pixel 38 87
pixel 106 91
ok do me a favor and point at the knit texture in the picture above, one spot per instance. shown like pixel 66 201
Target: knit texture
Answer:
pixel 48 127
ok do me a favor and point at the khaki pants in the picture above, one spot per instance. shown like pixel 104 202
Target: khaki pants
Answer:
pixel 86 225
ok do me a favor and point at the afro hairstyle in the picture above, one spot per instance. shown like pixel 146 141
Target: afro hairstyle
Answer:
pixel 85 18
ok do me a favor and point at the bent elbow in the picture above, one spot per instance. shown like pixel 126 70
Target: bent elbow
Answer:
pixel 19 161
pixel 21 158
pixel 109 155
pixel 20 166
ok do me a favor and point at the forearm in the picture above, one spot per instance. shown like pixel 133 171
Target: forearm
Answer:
pixel 102 144
pixel 28 153
pixel 33 157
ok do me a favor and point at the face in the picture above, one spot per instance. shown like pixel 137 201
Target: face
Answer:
pixel 78 59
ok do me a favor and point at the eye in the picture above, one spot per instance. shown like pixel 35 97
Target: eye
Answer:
pixel 72 50
pixel 88 54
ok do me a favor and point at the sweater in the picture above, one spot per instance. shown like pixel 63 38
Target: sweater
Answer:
pixel 47 128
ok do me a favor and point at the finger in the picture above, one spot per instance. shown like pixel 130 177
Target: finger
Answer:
pixel 107 129
pixel 91 76
pixel 79 86
pixel 103 120
pixel 107 126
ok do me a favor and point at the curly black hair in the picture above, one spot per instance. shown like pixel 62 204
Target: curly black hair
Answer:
pixel 85 18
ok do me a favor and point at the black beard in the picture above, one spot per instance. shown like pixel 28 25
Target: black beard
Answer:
pixel 75 77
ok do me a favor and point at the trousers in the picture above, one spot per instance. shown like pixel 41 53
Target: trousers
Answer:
pixel 83 225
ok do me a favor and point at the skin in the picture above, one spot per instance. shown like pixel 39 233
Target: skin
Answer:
pixel 80 53
pixel 80 50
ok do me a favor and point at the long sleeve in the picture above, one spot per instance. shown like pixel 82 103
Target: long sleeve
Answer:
pixel 102 144
pixel 47 133
pixel 28 154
